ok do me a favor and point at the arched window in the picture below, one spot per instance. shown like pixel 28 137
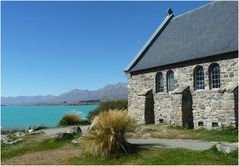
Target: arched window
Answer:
pixel 214 76
pixel 170 81
pixel 159 82
pixel 199 78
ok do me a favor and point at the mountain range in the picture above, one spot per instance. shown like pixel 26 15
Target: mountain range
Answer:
pixel 109 92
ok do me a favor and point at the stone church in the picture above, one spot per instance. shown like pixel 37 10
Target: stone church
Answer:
pixel 187 72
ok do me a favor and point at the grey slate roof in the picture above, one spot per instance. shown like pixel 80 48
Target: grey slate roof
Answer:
pixel 209 30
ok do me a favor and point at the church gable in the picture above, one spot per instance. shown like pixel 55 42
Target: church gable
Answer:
pixel 187 73
pixel 203 32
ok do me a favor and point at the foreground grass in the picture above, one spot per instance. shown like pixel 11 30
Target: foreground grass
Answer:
pixel 30 145
pixel 168 132
pixel 24 152
pixel 163 156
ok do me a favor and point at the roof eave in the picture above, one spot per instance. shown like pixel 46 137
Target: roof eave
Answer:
pixel 149 42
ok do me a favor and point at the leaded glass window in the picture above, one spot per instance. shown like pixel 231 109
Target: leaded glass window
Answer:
pixel 199 78
pixel 170 81
pixel 159 82
pixel 214 74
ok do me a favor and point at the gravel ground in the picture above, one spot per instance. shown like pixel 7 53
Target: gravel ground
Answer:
pixel 155 142
pixel 174 143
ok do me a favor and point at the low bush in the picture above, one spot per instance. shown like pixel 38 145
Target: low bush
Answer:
pixel 84 122
pixel 228 130
pixel 64 136
pixel 109 105
pixel 108 135
pixel 72 119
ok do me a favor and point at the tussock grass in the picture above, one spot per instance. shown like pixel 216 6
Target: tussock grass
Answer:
pixel 108 136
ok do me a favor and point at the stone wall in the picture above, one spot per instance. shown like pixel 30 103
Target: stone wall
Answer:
pixel 209 106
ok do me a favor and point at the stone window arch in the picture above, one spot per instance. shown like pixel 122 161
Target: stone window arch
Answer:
pixel 214 76
pixel 159 82
pixel 170 81
pixel 199 78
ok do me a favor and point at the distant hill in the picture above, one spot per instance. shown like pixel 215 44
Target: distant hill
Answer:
pixel 109 92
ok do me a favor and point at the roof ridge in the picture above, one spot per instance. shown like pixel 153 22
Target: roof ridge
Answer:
pixel 193 10
pixel 150 41
pixel 178 39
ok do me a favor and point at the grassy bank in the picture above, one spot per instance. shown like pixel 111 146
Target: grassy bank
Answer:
pixel 168 132
pixel 29 145
pixel 163 156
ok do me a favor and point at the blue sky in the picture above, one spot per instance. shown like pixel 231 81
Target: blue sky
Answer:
pixel 54 47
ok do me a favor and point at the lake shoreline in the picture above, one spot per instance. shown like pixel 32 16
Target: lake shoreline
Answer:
pixel 21 117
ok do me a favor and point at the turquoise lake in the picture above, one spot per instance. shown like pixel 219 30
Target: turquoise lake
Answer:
pixel 22 116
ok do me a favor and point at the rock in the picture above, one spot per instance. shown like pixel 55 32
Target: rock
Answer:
pixel 30 130
pixel 74 130
pixel 226 147
pixel 9 141
pixel 60 135
pixel 231 74
pixel 20 134
pixel 75 141
pixel 93 124
pixel 3 137
pixel 36 128
pixel 69 133
pixel 36 132
pixel 64 136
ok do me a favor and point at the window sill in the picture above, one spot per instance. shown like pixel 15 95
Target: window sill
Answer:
pixel 161 93
pixel 199 90
pixel 215 89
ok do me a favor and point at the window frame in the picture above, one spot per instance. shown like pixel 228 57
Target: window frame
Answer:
pixel 157 82
pixel 199 80
pixel 169 73
pixel 214 78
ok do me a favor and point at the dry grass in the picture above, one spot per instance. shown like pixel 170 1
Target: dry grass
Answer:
pixel 168 132
pixel 108 136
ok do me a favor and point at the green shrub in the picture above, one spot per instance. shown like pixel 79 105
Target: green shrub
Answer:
pixel 108 135
pixel 109 105
pixel 228 130
pixel 72 119
pixel 64 136
pixel 84 122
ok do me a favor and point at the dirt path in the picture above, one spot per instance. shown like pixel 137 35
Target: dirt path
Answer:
pixel 56 156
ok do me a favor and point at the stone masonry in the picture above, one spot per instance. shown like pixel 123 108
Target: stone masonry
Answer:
pixel 211 108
